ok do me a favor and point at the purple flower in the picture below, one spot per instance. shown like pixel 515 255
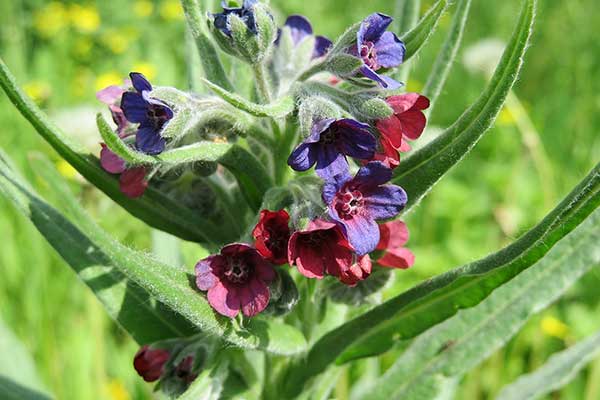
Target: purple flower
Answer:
pixel 378 49
pixel 328 145
pixel 236 279
pixel 151 114
pixel 245 12
pixel 300 29
pixel 357 203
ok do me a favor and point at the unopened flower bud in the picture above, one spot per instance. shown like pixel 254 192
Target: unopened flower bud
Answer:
pixel 150 363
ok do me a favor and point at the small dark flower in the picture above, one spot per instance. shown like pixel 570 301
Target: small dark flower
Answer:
pixel 183 370
pixel 271 235
pixel 245 12
pixel 151 114
pixel 357 203
pixel 323 249
pixel 132 182
pixel 237 279
pixel 300 29
pixel 378 49
pixel 150 363
pixel 393 237
pixel 328 145
pixel 408 121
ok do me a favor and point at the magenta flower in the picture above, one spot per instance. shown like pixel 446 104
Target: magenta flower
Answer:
pixel 328 145
pixel 151 115
pixel 111 162
pixel 301 28
pixel 357 203
pixel 393 237
pixel 408 121
pixel 150 363
pixel 111 96
pixel 133 183
pixel 378 49
pixel 237 279
pixel 323 249
pixel 271 235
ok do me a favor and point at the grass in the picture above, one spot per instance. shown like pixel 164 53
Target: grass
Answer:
pixel 63 54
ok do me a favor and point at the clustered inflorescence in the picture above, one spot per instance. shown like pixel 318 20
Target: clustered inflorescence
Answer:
pixel 353 158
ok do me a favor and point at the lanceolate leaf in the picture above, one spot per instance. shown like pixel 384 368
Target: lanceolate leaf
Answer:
pixel 154 208
pixel 280 108
pixel 445 59
pixel 416 37
pixel 252 177
pixel 437 299
pixel 406 16
pixel 11 390
pixel 170 286
pixel 560 369
pixel 453 347
pixel 419 172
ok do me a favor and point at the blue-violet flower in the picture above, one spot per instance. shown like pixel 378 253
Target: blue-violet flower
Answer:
pixel 300 29
pixel 328 145
pixel 357 203
pixel 245 12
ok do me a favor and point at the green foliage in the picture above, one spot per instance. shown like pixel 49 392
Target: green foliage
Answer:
pixel 416 38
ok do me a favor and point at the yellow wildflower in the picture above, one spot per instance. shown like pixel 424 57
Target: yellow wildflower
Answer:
pixel 116 41
pixel 551 326
pixel 145 68
pixel 39 91
pixel 117 391
pixel 83 46
pixel 84 18
pixel 108 79
pixel 171 10
pixel 50 19
pixel 143 8
pixel 65 169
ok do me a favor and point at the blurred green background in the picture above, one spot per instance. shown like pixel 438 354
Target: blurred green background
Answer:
pixel 544 141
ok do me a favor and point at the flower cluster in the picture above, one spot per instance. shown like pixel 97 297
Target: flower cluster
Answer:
pixel 172 363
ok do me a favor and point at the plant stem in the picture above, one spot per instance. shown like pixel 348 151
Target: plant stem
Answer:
pixel 262 83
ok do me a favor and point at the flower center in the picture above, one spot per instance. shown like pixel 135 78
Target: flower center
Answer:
pixel 330 136
pixel 368 53
pixel 237 271
pixel 277 240
pixel 158 115
pixel 348 203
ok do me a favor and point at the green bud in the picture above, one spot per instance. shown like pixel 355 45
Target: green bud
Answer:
pixel 315 108
pixel 371 108
pixel 343 65
pixel 284 294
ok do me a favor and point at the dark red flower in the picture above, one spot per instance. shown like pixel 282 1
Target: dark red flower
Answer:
pixel 183 370
pixel 236 280
pixel 271 235
pixel 149 363
pixel 408 121
pixel 132 182
pixel 323 249
pixel 393 237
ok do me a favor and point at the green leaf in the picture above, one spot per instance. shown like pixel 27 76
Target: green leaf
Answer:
pixel 406 16
pixel 96 251
pixel 418 36
pixel 154 208
pixel 457 345
pixel 445 58
pixel 252 177
pixel 439 298
pixel 211 64
pixel 560 369
pixel 278 109
pixel 10 390
pixel 16 364
pixel 146 321
pixel 420 171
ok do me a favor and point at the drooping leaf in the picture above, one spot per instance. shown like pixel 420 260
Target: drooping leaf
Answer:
pixel 559 370
pixel 11 390
pixel 445 58
pixel 280 108
pixel 173 287
pixel 154 208
pixel 252 177
pixel 420 171
pixel 418 36
pixel 439 298
pixel 455 346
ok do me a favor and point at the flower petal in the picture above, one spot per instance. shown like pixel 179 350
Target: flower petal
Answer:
pixel 390 50
pixel 148 141
pixel 397 258
pixel 254 298
pixel 373 27
pixel 134 107
pixel 111 162
pixel 330 162
pixel 413 124
pixel 300 27
pixel 110 95
pixel 207 270
pixel 224 300
pixel 373 174
pixel 322 46
pixel 333 185
pixel 385 201
pixel 362 233
pixel 139 82
pixel 391 128
pixel 133 183
pixel 393 234
pixel 303 157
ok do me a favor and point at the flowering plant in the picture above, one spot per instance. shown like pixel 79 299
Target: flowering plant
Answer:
pixel 297 188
